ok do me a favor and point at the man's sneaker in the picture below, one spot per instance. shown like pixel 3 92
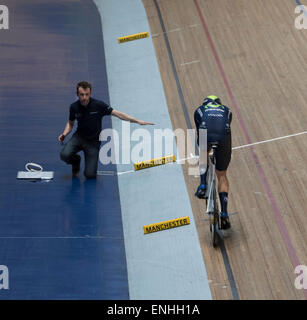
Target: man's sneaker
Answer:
pixel 225 224
pixel 76 165
pixel 201 191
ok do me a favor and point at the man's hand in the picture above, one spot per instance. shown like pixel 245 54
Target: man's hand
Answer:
pixel 126 117
pixel 67 130
pixel 144 123
pixel 61 138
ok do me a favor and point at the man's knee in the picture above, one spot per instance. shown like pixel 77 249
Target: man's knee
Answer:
pixel 64 155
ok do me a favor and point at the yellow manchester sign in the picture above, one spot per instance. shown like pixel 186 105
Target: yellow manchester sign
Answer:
pixel 154 162
pixel 133 37
pixel 166 225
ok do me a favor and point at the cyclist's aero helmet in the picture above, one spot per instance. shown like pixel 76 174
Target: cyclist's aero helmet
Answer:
pixel 212 98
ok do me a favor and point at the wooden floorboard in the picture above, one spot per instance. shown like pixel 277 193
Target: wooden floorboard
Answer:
pixel 264 59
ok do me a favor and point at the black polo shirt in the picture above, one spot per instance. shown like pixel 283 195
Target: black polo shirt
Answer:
pixel 89 117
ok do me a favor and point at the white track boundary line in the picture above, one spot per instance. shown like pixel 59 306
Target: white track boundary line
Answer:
pixel 270 140
pixel 191 62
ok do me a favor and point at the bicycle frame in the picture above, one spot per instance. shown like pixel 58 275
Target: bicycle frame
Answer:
pixel 211 196
pixel 211 183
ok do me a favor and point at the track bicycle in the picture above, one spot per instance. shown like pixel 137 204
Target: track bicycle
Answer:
pixel 212 202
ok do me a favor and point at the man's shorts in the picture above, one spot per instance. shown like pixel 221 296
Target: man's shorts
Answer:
pixel 223 151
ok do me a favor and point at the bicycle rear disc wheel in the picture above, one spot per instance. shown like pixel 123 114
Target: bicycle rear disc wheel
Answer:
pixel 215 227
pixel 216 222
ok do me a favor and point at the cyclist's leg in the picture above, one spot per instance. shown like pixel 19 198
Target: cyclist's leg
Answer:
pixel 223 189
pixel 223 183
pixel 203 177
pixel 201 190
pixel 223 156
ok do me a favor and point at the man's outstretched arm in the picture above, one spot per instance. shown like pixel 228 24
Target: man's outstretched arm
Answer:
pixel 126 117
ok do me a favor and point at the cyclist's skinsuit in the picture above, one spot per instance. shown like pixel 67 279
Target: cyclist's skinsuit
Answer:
pixel 216 119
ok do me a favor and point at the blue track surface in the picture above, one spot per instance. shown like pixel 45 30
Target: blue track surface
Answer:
pixel 61 239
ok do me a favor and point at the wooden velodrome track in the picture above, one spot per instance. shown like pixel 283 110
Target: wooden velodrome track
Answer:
pixel 250 54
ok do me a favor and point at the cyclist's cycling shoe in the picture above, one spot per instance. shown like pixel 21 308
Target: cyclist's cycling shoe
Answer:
pixel 201 191
pixel 225 224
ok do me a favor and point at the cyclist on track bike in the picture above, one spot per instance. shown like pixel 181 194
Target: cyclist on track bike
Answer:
pixel 216 118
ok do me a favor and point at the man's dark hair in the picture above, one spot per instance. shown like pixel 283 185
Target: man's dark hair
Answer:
pixel 84 85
